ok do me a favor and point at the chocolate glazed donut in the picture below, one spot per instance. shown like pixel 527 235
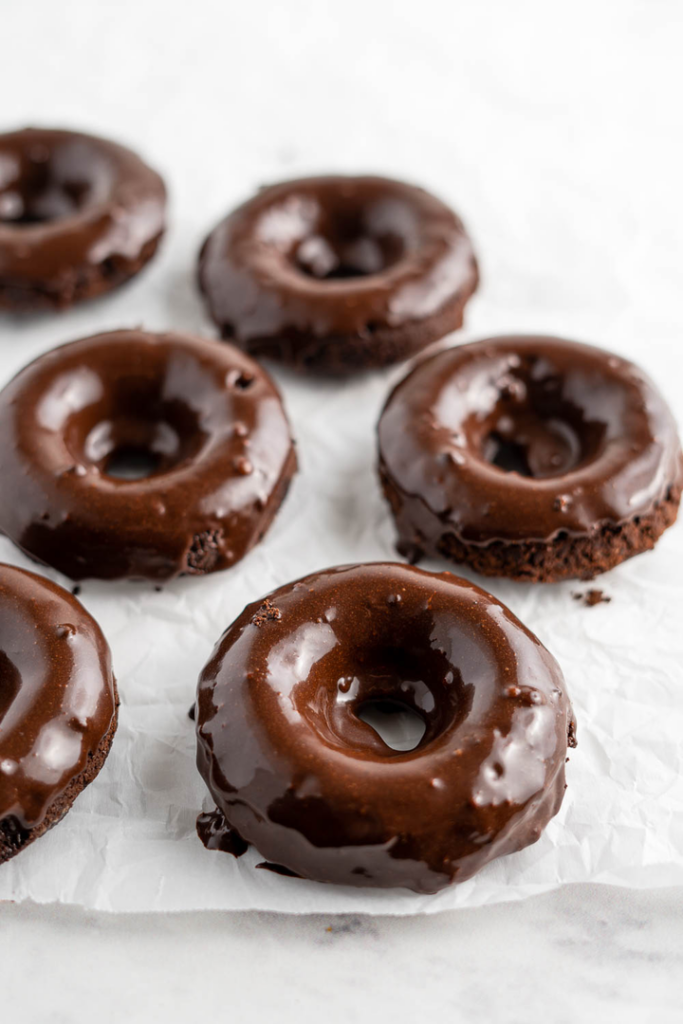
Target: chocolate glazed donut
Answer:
pixel 79 215
pixel 529 457
pixel 199 425
pixel 58 705
pixel 338 273
pixel 295 771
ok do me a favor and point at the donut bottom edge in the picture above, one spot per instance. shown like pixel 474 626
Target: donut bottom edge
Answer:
pixel 354 867
pixel 380 346
pixel 14 838
pixel 564 557
pixel 82 283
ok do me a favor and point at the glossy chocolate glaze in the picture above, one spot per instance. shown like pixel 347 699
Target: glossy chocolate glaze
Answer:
pixel 69 203
pixel 208 420
pixel 57 698
pixel 333 257
pixel 522 438
pixel 296 772
pixel 216 834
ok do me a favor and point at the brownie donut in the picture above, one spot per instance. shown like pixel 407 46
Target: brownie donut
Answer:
pixel 296 772
pixel 529 457
pixel 79 215
pixel 58 705
pixel 198 423
pixel 338 273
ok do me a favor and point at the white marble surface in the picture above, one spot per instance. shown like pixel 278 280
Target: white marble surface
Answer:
pixel 582 954
pixel 486 93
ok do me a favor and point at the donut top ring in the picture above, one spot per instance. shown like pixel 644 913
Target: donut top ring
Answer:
pixel 338 273
pixel 57 704
pixel 296 772
pixel 78 215
pixel 140 455
pixel 527 439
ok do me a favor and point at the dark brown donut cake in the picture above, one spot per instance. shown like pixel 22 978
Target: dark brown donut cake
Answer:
pixel 337 273
pixel 295 771
pixel 529 457
pixel 200 425
pixel 78 216
pixel 58 705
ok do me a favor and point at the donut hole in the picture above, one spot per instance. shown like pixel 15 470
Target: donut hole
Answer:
pixel 128 463
pixel 396 723
pixel 45 183
pixel 337 259
pixel 406 695
pixel 506 455
pixel 131 432
pixel 128 447
pixel 533 429
pixel 352 236
pixel 533 447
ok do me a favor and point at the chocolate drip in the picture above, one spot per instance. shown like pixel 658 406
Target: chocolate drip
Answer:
pixel 216 834
pixel 277 869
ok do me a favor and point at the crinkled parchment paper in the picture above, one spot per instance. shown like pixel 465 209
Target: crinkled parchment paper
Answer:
pixel 565 248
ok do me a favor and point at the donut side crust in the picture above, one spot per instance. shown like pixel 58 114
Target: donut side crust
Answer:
pixel 14 838
pixel 565 557
pixel 81 283
pixel 204 554
pixel 377 346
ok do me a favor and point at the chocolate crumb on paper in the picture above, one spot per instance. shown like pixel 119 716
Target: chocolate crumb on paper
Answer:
pixel 592 597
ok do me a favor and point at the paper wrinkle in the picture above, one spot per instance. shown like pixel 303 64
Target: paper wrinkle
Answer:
pixel 561 251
